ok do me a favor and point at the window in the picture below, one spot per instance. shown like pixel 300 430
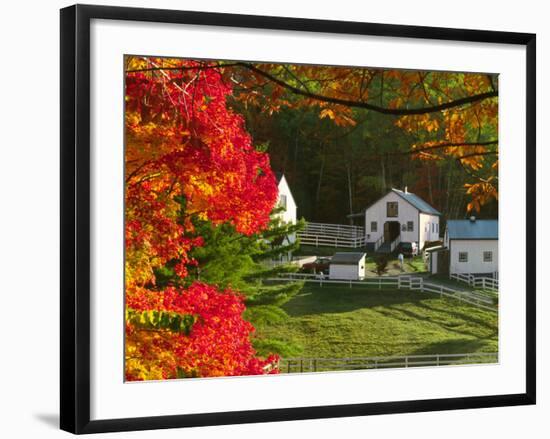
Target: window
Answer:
pixel 373 226
pixel 433 227
pixel 437 227
pixel 487 256
pixel 391 209
pixel 282 201
pixel 462 256
pixel 410 226
pixel 404 227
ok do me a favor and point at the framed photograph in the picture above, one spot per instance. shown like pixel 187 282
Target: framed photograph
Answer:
pixel 268 219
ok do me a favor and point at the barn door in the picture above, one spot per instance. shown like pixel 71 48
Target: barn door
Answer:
pixel 387 234
pixel 391 230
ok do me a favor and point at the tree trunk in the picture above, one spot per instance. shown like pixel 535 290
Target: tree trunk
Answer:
pixel 319 181
pixel 383 176
pixel 430 193
pixel 449 179
pixel 348 166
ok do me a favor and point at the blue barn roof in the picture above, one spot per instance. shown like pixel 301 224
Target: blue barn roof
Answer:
pixel 472 229
pixel 417 202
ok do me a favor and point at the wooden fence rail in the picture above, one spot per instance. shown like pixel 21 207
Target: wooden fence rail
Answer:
pixel 335 229
pixel 307 238
pixel 483 282
pixel 300 365
pixel 413 283
pixel 332 235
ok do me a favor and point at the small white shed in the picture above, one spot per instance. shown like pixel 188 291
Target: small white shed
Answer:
pixel 432 255
pixel 348 266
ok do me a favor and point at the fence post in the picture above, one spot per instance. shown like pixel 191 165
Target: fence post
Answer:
pixel 437 359
pixel 398 282
pixel 406 361
pixel 350 283
pixel 379 283
pixel 422 284
pixel 301 365
pixel 315 365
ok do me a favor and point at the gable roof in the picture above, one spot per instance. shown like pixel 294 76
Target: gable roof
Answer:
pixel 414 200
pixel 279 176
pixel 347 258
pixel 468 229
pixel 417 202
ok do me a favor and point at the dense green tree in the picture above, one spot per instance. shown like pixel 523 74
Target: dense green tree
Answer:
pixel 244 263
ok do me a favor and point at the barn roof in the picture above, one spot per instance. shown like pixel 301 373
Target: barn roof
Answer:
pixel 412 199
pixel 472 229
pixel 417 202
pixel 347 258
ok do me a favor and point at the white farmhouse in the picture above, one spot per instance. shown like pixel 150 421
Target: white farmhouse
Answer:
pixel 285 200
pixel 288 214
pixel 472 245
pixel 349 266
pixel 400 216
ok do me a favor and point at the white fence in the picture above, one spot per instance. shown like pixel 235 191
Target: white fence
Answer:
pixel 300 365
pixel 378 243
pixel 395 243
pixel 413 283
pixel 483 282
pixel 332 235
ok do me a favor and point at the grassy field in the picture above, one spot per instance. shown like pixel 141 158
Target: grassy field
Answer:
pixel 335 321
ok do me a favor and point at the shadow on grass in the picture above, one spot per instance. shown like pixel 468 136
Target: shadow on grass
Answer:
pixel 462 315
pixel 331 300
pixel 455 346
pixel 449 325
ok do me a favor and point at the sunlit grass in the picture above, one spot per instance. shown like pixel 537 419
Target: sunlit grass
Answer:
pixel 336 321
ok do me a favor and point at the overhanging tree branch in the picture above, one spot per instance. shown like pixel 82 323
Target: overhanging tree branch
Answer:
pixel 346 102
pixel 477 154
pixel 447 145
pixel 367 106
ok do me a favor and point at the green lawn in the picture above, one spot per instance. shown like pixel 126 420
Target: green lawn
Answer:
pixel 336 321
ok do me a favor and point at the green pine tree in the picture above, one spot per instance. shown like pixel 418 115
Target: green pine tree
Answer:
pixel 247 264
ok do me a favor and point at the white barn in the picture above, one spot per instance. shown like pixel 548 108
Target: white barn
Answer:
pixel 472 245
pixel 348 266
pixel 400 216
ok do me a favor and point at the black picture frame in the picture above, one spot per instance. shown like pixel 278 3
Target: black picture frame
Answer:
pixel 75 217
